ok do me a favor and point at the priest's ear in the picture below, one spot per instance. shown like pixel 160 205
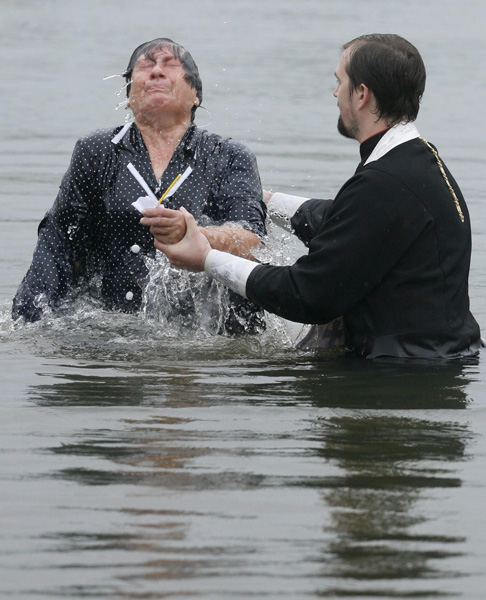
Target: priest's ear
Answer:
pixel 364 96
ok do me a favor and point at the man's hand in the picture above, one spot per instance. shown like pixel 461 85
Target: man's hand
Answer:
pixel 190 253
pixel 166 225
pixel 169 227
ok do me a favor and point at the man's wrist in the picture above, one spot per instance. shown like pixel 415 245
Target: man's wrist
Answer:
pixel 205 258
pixel 208 259
pixel 232 271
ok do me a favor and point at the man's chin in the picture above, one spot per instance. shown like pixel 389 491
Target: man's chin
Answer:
pixel 347 132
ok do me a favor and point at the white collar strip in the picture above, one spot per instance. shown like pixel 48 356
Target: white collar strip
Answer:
pixel 179 182
pixel 121 133
pixel 141 181
pixel 151 201
pixel 396 135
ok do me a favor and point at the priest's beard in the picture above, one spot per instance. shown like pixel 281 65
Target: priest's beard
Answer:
pixel 350 132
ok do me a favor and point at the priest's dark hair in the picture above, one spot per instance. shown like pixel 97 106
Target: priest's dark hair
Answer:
pixel 190 68
pixel 392 68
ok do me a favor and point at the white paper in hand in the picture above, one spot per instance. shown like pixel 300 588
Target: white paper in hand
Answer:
pixel 145 202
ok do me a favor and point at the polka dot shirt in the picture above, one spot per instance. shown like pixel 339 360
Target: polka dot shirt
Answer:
pixel 93 233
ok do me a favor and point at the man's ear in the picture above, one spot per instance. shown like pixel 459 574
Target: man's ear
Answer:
pixel 364 96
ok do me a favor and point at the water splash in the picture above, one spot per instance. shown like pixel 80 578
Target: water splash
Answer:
pixel 7 325
pixel 182 315
pixel 122 104
pixel 118 93
pixel 180 300
pixel 72 231
pixel 123 88
pixel 210 116
pixel 82 329
pixel 113 76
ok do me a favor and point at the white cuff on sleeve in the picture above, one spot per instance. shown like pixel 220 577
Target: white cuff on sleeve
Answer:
pixel 230 270
pixel 285 205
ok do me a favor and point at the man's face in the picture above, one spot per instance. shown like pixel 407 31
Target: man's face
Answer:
pixel 347 122
pixel 159 85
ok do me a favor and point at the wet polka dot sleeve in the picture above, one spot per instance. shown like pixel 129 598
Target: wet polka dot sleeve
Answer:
pixel 63 241
pixel 239 197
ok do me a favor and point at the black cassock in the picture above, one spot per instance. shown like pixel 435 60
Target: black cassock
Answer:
pixel 390 254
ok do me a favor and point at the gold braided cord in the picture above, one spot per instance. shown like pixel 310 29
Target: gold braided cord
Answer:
pixel 439 162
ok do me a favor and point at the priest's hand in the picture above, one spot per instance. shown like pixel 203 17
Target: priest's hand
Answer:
pixel 190 253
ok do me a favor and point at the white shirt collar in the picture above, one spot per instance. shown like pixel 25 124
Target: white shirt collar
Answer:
pixel 396 135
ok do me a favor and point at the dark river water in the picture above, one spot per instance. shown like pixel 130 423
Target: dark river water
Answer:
pixel 145 461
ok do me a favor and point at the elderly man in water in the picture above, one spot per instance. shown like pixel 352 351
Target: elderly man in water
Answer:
pixel 391 252
pixel 92 237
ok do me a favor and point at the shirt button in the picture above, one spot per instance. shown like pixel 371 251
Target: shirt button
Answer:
pixel 135 248
pixel 129 296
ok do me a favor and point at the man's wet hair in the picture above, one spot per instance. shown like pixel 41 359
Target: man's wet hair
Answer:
pixel 392 68
pixel 190 68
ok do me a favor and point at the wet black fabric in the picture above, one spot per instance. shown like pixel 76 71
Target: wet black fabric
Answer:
pixel 390 254
pixel 93 234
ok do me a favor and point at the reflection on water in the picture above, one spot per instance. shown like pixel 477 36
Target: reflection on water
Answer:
pixel 389 463
pixel 201 459
pixel 143 460
pixel 354 383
